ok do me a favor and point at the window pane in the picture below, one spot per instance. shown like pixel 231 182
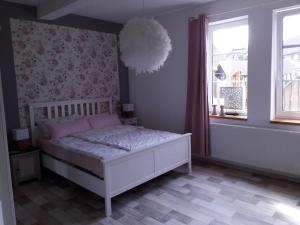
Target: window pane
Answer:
pixel 291 80
pixel 291 30
pixel 230 68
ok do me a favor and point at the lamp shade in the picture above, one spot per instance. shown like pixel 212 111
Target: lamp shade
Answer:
pixel 128 107
pixel 20 134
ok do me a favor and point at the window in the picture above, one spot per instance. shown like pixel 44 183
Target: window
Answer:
pixel 228 65
pixel 287 64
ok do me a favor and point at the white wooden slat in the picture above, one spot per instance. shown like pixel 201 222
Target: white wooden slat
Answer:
pixel 110 106
pixel 93 108
pixel 88 108
pixel 49 114
pixel 69 109
pixel 98 107
pixel 72 109
pixel 76 109
pixel 81 109
pixel 56 111
pixel 63 112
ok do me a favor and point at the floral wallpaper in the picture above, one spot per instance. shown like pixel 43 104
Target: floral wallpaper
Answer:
pixel 54 63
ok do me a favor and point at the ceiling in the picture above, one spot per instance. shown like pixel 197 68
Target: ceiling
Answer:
pixel 121 10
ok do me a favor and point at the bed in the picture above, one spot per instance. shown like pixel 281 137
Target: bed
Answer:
pixel 83 158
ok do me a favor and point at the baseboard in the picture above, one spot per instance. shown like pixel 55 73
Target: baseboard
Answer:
pixel 251 169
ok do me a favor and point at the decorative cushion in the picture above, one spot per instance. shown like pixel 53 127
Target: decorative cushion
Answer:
pixel 43 128
pixel 58 130
pixel 100 121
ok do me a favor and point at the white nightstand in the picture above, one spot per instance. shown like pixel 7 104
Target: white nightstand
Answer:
pixel 130 121
pixel 25 165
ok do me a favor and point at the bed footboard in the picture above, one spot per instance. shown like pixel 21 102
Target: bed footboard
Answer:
pixel 124 173
pixel 127 172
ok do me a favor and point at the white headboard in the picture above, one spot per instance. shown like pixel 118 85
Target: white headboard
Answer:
pixel 60 109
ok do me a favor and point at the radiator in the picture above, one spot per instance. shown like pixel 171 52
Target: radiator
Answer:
pixel 264 148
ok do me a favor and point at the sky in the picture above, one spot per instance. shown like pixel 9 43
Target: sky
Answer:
pixel 225 40
pixel 291 27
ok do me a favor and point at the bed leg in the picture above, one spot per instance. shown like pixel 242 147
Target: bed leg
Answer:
pixel 189 167
pixel 108 206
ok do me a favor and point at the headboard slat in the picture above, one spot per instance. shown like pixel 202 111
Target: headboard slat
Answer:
pixel 63 114
pixel 49 114
pixel 56 111
pixel 87 105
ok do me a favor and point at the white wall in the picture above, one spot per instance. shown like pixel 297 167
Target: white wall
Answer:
pixel 161 98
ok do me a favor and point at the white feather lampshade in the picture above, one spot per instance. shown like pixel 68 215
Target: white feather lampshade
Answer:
pixel 144 45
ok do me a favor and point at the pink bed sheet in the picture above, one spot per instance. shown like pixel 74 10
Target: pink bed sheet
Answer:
pixel 89 163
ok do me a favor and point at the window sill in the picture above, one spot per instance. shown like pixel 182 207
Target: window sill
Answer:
pixel 286 121
pixel 229 117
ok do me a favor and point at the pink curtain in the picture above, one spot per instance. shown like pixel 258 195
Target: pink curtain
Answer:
pixel 197 111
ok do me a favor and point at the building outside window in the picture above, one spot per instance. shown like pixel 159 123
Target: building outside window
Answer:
pixel 228 65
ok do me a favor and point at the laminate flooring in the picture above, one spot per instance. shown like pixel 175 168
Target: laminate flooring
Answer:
pixel 211 195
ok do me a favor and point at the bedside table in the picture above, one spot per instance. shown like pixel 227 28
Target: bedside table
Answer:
pixel 25 165
pixel 130 121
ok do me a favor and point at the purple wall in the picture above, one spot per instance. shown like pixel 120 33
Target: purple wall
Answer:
pixel 8 10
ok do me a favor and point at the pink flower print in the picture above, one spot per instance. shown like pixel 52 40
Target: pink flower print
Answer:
pixel 26 30
pixel 95 80
pixel 52 31
pixel 72 93
pixel 53 62
pixel 56 92
pixel 86 64
pixel 43 81
pixel 70 66
pixel 79 49
pixel 83 36
pixel 115 67
pixel 103 64
pixel 94 53
pixel 21 45
pixel 59 48
pixel 29 62
pixel 68 37
pixel 101 38
pixel 41 49
pixel 24 77
pixel 113 43
pixel 81 77
pixel 86 92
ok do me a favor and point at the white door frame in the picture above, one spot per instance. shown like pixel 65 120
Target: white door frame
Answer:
pixel 7 209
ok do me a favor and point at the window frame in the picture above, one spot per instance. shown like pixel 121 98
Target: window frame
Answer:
pixel 213 26
pixel 278 62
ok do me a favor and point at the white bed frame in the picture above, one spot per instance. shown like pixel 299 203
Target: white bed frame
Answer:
pixel 120 174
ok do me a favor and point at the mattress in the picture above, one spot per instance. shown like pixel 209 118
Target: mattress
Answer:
pixel 79 153
pixel 128 138
pixel 87 150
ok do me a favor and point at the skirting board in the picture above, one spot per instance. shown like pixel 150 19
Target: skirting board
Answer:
pixel 251 169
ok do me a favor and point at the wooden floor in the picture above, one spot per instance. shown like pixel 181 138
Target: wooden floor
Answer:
pixel 211 195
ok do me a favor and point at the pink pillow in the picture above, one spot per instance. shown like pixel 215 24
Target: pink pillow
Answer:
pixel 58 130
pixel 101 121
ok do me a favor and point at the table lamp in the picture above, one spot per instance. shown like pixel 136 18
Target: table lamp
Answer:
pixel 128 110
pixel 21 137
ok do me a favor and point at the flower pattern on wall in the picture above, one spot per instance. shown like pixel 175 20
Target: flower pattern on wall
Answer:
pixel 54 63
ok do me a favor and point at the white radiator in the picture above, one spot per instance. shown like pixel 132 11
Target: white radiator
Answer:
pixel 272 149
